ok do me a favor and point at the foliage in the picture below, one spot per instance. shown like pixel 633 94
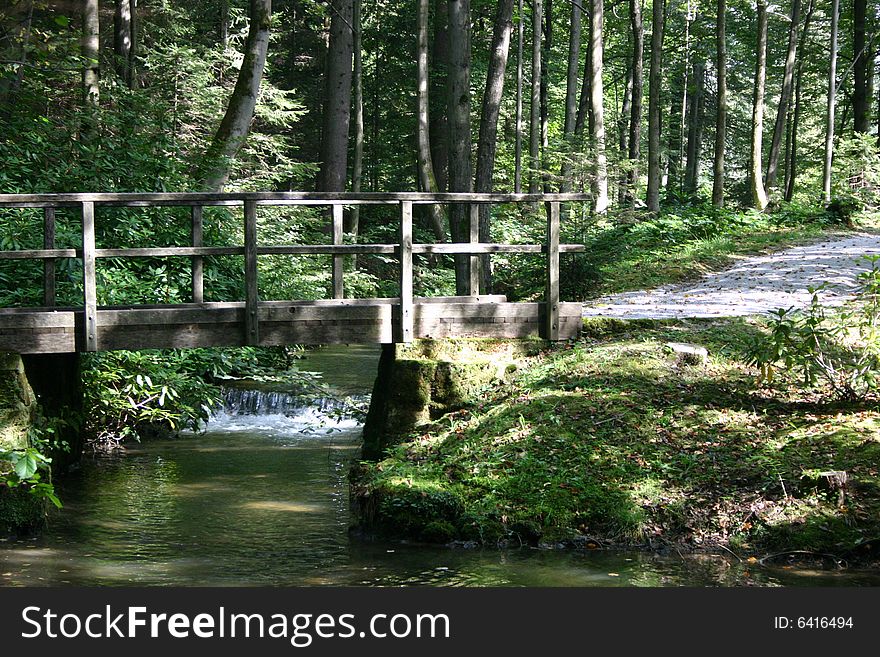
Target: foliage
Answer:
pixel 840 350
pixel 30 469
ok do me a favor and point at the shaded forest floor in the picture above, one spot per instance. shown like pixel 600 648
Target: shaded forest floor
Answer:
pixel 617 441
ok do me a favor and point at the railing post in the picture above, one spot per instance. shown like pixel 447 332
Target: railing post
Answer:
pixel 337 259
pixel 198 262
pixel 552 294
pixel 474 260
pixel 90 289
pixel 406 272
pixel 49 263
pixel 251 299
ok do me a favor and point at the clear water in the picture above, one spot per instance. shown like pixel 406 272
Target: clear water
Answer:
pixel 263 500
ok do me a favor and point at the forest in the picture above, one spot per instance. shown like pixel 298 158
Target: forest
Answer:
pixel 700 132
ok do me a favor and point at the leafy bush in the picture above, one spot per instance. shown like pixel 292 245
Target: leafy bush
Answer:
pixel 838 350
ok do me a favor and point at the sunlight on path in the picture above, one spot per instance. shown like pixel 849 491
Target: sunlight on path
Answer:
pixel 756 285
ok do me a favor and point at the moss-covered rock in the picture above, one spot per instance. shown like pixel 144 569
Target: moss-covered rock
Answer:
pixel 423 380
pixel 20 512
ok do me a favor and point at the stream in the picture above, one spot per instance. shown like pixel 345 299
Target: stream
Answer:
pixel 261 498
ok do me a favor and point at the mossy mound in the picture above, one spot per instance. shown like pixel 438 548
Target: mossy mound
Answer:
pixel 422 381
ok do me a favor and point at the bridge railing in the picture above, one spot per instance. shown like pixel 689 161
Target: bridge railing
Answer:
pixel 404 248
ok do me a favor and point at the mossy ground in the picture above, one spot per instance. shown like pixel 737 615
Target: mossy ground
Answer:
pixel 616 440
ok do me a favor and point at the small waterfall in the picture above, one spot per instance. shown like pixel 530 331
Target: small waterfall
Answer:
pixel 285 415
pixel 238 401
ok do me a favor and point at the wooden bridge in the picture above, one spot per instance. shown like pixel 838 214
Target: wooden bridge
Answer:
pixel 89 327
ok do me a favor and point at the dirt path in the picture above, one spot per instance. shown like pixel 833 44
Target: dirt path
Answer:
pixel 755 285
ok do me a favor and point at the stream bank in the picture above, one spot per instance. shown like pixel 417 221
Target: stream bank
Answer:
pixel 617 441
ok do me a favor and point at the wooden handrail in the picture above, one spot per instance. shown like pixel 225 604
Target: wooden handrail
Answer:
pixel 249 201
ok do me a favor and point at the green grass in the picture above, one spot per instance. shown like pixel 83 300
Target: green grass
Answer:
pixel 615 440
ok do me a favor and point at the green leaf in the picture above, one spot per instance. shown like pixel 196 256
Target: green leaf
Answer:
pixel 25 466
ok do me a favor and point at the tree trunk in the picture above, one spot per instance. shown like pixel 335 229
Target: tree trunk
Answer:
pixel 623 136
pixel 546 55
pixel 460 174
pixel 89 48
pixel 337 99
pixel 654 80
pixel 357 166
pixel 785 94
pixel 791 169
pixel 600 171
pixel 517 167
pixel 696 106
pixel 224 24
pixel 133 49
pixel 679 89
pixel 829 115
pixel 535 110
pixel 122 40
pixel 635 121
pixel 863 59
pixel 236 123
pixel 427 180
pixel 439 125
pixel 488 139
pixel 721 105
pixel 571 98
pixel 756 179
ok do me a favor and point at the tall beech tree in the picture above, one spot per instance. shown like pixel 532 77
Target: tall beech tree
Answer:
pixel 236 123
pixel 654 82
pixel 571 97
pixel 863 61
pixel 756 179
pixel 459 98
pixel 832 100
pixel 535 106
pixel 720 104
pixel 782 109
pixel 635 121
pixel 337 98
pixel 597 133
pixel 487 142
pixel 427 179
pixel 791 168
pixel 90 49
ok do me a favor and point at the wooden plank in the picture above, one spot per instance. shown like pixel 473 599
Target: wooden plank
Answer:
pixel 90 291
pixel 474 261
pixel 238 198
pixel 251 321
pixel 197 267
pixel 292 249
pixel 327 249
pixel 36 320
pixel 39 254
pixel 552 293
pixel 170 251
pixel 406 273
pixel 337 259
pixel 49 265
pixel 43 341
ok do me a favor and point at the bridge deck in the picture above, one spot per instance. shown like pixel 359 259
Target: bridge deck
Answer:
pixel 89 327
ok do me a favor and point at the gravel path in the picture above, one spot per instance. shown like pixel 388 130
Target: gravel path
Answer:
pixel 755 285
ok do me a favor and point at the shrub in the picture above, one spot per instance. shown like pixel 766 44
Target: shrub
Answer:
pixel 838 350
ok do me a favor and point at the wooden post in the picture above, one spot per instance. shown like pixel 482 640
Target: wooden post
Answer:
pixel 474 260
pixel 49 263
pixel 337 259
pixel 90 290
pixel 406 272
pixel 198 262
pixel 552 294
pixel 251 299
